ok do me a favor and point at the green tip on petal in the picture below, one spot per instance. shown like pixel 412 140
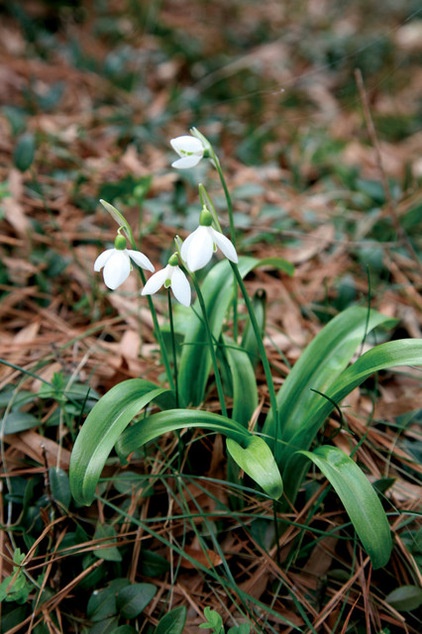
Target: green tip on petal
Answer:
pixel 205 219
pixel 120 242
pixel 173 260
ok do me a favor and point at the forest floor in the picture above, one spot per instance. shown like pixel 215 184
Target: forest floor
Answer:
pixel 315 111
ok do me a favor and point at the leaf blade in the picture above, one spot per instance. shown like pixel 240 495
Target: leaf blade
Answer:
pixel 359 499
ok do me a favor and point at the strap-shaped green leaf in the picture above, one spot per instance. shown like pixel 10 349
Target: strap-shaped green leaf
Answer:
pixel 103 426
pixel 245 390
pixel 195 362
pixel 360 501
pixel 251 453
pixel 324 358
pixel 258 462
pixel 218 289
pixel 386 355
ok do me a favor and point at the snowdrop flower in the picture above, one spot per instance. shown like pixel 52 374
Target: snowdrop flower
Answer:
pixel 190 149
pixel 198 248
pixel 117 263
pixel 171 276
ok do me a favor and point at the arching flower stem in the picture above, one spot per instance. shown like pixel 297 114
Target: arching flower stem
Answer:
pixel 124 225
pixel 218 382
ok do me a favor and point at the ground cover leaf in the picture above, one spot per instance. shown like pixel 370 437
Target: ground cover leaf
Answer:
pixel 103 426
pixel 359 499
pixel 173 622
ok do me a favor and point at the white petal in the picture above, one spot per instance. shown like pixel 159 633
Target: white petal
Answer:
pixel 141 260
pixel 156 281
pixel 225 245
pixel 180 287
pixel 102 259
pixel 116 269
pixel 198 248
pixel 187 145
pixel 186 162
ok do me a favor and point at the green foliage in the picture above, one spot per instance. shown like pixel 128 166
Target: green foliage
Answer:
pixel 24 151
pixel 16 587
pixel 359 499
pixel 173 622
pixel 405 598
pixel 214 622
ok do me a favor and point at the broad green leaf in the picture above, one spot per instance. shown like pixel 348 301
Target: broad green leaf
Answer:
pixel 386 355
pixel 245 391
pixel 17 421
pixel 213 621
pixel 173 622
pixel 134 598
pixel 105 535
pixel 279 264
pixel 171 420
pixel 103 426
pixel 24 151
pixel 218 290
pixel 256 453
pixel 258 462
pixel 359 499
pixel 405 598
pixel 249 343
pixel 323 359
pixel 59 483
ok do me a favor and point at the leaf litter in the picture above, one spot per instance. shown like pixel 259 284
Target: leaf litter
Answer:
pixel 102 91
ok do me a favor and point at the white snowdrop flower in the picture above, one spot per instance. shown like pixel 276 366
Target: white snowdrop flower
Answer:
pixel 199 246
pixel 172 277
pixel 117 263
pixel 190 149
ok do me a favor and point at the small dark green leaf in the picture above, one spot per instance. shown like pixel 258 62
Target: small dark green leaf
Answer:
pixel 24 152
pixel 134 598
pixel 405 598
pixel 59 483
pixel 173 622
pixel 106 535
pixel 152 564
pixel 18 421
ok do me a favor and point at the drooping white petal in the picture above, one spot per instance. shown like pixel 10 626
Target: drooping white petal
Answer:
pixel 156 281
pixel 198 248
pixel 102 259
pixel 186 162
pixel 180 286
pixel 116 269
pixel 186 144
pixel 190 149
pixel 141 260
pixel 225 245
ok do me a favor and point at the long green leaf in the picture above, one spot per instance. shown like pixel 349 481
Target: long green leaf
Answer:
pixel 103 426
pixel 218 290
pixel 250 452
pixel 405 352
pixel 245 390
pixel 195 362
pixel 359 499
pixel 324 358
pixel 249 342
pixel 258 462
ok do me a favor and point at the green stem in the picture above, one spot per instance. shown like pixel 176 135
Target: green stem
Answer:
pixel 218 382
pixel 159 337
pixel 260 343
pixel 207 202
pixel 227 195
pixel 173 346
